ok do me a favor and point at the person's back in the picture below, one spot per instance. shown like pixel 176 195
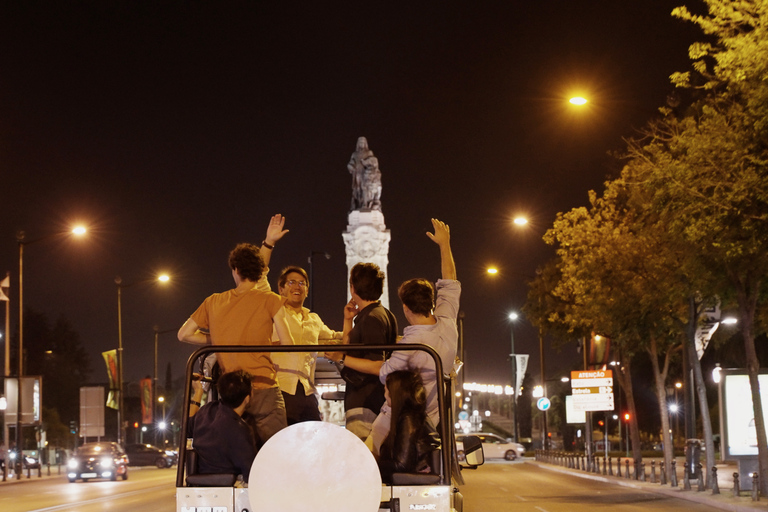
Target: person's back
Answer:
pixel 222 439
pixel 407 446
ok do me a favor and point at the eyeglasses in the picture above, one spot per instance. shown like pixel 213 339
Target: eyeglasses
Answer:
pixel 293 282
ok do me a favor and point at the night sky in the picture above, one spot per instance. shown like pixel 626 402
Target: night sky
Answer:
pixel 174 130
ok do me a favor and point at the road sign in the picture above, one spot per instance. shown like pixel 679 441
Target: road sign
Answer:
pixel 592 390
pixel 543 403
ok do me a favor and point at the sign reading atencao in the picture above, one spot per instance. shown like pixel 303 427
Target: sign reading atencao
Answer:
pixel 592 390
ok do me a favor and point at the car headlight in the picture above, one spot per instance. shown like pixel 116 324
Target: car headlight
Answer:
pixel 107 462
pixel 72 464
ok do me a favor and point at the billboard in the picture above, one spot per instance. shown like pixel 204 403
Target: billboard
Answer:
pixel 737 415
pixel 31 400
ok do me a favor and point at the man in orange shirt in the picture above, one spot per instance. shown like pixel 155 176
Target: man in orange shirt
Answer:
pixel 245 316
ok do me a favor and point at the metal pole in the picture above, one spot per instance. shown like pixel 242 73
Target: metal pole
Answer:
pixel 120 410
pixel 514 380
pixel 545 437
pixel 20 372
pixel 153 395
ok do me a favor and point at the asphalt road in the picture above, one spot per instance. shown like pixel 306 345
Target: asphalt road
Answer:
pixel 526 487
pixel 145 489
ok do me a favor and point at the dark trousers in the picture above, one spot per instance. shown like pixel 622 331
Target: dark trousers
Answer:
pixel 300 407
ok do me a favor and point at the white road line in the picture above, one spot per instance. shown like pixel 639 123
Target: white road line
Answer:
pixel 520 498
pixel 542 509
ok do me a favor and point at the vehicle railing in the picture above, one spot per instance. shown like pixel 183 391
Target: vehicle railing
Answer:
pixel 446 426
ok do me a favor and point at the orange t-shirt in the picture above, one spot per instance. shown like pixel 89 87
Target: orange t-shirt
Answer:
pixel 242 318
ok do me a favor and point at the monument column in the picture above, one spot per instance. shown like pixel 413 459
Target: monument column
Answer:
pixel 366 239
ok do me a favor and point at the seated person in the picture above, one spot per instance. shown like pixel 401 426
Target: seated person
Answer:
pixel 408 445
pixel 222 439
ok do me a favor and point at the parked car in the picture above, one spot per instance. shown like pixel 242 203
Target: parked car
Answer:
pixel 494 447
pixel 98 460
pixel 148 455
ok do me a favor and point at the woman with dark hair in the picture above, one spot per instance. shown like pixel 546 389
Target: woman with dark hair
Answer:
pixel 407 447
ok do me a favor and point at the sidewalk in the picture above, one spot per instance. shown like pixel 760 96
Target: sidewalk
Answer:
pixel 723 501
pixel 55 472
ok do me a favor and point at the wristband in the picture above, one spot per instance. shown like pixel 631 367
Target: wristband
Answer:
pixel 265 244
pixel 194 403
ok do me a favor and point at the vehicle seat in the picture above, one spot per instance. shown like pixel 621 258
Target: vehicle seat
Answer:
pixel 432 478
pixel 195 479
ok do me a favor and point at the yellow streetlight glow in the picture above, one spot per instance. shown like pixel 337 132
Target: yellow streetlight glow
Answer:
pixel 163 278
pixel 578 100
pixel 493 270
pixel 520 221
pixel 79 230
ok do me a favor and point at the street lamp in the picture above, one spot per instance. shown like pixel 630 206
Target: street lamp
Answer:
pixel 163 278
pixel 312 276
pixel 22 241
pixel 162 424
pixel 158 332
pixel 513 316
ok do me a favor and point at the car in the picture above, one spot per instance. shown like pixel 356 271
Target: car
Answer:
pixel 148 455
pixel 98 460
pixel 494 447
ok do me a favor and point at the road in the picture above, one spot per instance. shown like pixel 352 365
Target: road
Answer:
pixel 145 489
pixel 497 486
pixel 503 486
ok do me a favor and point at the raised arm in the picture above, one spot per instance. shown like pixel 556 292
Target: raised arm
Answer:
pixel 442 237
pixel 275 232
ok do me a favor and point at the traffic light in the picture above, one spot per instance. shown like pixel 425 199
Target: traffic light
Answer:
pixel 135 424
pixel 626 417
pixel 601 423
pixel 72 427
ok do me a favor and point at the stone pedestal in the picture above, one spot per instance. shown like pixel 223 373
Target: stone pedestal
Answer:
pixel 367 241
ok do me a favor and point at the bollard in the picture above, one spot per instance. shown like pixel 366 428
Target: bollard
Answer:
pixel 673 473
pixel 610 466
pixel 642 471
pixel 686 477
pixel 605 466
pixel 662 473
pixel 715 486
pixel 583 467
pixel 597 465
pixel 618 467
pixel 626 468
pixel 653 471
pixel 755 487
pixel 636 464
pixel 701 486
pixel 736 487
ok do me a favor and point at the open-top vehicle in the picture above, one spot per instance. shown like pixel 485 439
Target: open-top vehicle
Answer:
pixel 437 490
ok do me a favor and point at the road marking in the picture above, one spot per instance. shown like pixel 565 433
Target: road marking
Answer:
pixel 542 509
pixel 520 498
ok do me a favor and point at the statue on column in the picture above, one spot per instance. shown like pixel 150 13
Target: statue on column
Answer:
pixel 366 178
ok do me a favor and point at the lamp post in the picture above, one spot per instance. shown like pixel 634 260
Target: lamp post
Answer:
pixel 312 275
pixel 158 332
pixel 163 278
pixel 162 425
pixel 22 241
pixel 513 316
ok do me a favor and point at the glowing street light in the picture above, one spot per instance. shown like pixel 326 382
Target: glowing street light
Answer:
pixel 578 100
pixel 492 270
pixel 520 221
pixel 162 278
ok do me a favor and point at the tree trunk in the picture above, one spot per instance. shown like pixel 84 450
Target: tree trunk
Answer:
pixel 624 376
pixel 660 377
pixel 747 298
pixel 701 391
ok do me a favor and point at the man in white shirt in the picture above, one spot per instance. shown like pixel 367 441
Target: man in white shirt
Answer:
pixel 296 370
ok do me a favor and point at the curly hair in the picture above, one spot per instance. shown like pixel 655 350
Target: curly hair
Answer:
pixel 247 261
pixel 418 295
pixel 233 387
pixel 368 281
